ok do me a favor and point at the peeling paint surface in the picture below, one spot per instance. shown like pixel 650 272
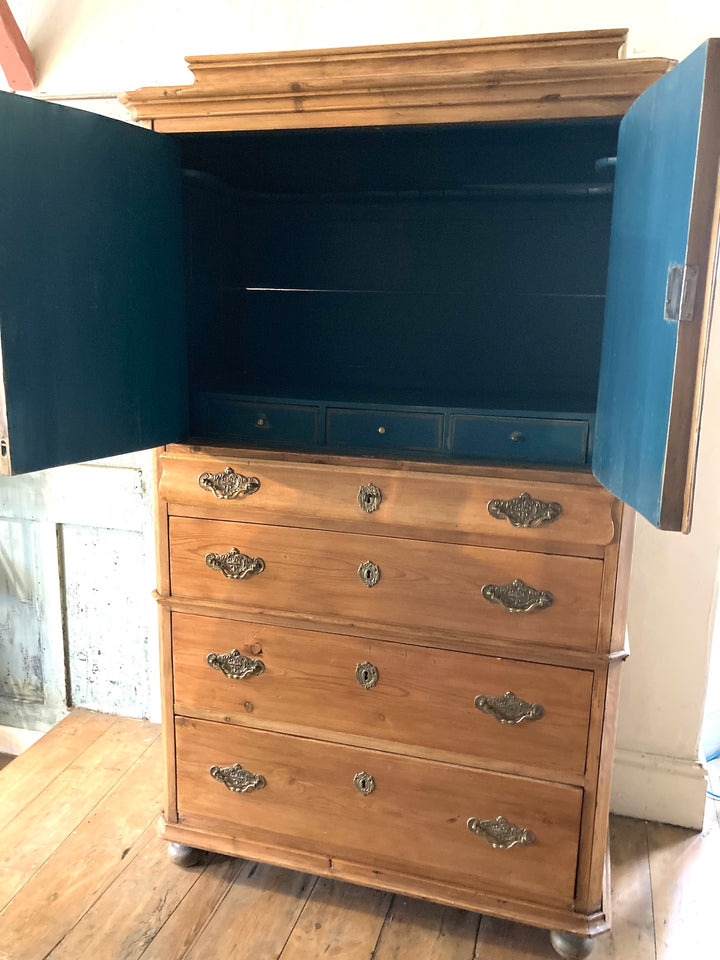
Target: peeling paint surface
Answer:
pixel 21 666
pixel 106 611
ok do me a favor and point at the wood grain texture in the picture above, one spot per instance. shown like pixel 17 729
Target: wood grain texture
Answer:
pixel 33 770
pixel 414 928
pixel 422 699
pixel 257 916
pixel 339 920
pixel 417 813
pixel 414 504
pixel 99 767
pixel 308 571
pixel 87 863
pixel 539 77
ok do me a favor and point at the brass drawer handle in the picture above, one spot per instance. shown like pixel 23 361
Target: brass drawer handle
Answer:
pixel 517 597
pixel 500 833
pixel 235 565
pixel 228 485
pixel 509 709
pixel 367 674
pixel 524 511
pixel 369 573
pixel 369 497
pixel 364 783
pixel 235 665
pixel 237 779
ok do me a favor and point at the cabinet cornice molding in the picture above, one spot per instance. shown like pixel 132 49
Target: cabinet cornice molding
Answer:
pixel 544 77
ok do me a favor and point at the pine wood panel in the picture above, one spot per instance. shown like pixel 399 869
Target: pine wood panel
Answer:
pixel 423 698
pixel 455 81
pixel 308 571
pixel 416 816
pixel 414 504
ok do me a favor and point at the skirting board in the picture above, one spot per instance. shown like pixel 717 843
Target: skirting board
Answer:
pixel 14 740
pixel 652 787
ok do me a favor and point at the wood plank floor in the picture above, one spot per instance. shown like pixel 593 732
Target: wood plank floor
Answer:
pixel 83 876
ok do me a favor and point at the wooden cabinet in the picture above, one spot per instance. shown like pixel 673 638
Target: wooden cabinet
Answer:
pixel 427 289
pixel 443 728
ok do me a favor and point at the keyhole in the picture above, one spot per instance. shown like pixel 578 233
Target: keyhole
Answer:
pixel 368 574
pixel 363 784
pixel 366 675
pixel 3 447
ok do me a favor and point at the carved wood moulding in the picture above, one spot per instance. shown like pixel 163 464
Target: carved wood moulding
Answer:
pixel 549 76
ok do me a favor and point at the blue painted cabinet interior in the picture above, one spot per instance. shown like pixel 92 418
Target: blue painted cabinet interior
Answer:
pixel 430 291
pixel 92 344
pixel 665 194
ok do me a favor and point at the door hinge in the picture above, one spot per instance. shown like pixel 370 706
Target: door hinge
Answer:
pixel 680 292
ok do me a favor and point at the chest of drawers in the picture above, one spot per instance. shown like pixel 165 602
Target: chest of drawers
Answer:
pixel 394 673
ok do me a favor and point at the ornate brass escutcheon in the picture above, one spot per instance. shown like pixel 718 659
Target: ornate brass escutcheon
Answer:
pixel 228 485
pixel 235 565
pixel 369 573
pixel 235 665
pixel 524 511
pixel 517 597
pixel 500 833
pixel 237 779
pixel 509 709
pixel 367 674
pixel 369 497
pixel 364 783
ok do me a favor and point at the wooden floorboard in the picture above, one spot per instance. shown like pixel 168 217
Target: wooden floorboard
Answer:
pixel 84 876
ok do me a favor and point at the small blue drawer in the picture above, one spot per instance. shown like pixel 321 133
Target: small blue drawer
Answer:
pixel 521 439
pixel 229 418
pixel 384 429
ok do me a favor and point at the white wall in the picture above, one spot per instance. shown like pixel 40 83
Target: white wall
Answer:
pixel 97 46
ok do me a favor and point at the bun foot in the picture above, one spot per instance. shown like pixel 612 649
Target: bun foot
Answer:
pixel 570 946
pixel 183 855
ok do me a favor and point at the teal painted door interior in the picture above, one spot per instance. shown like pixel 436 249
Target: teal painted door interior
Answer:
pixel 651 368
pixel 92 342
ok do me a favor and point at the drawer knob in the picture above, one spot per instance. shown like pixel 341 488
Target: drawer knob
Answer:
pixel 369 497
pixel 524 511
pixel 509 709
pixel 235 565
pixel 367 674
pixel 364 783
pixel 500 833
pixel 517 597
pixel 228 485
pixel 237 779
pixel 369 573
pixel 235 665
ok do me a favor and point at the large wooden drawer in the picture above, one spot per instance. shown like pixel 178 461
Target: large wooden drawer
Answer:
pixel 431 586
pixel 415 818
pixel 413 503
pixel 403 698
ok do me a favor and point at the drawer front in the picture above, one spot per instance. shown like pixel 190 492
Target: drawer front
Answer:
pixel 415 818
pixel 522 439
pixel 414 698
pixel 434 586
pixel 412 504
pixel 383 429
pixel 260 423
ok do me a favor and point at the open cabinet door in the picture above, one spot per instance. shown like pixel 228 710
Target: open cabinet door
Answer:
pixel 661 279
pixel 92 327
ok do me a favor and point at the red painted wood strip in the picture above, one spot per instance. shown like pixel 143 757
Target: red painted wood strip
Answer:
pixel 16 59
